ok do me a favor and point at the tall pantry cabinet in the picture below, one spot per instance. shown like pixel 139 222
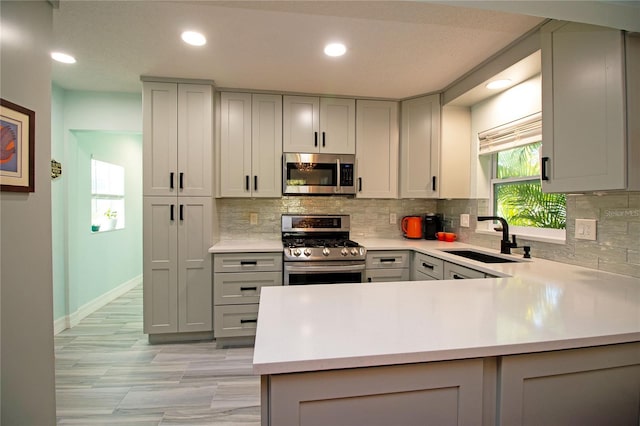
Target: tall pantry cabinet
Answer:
pixel 177 207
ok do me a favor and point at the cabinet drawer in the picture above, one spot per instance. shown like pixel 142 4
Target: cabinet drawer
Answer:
pixel 242 287
pixel 457 272
pixel 387 259
pixel 235 320
pixel 427 265
pixel 247 262
pixel 387 275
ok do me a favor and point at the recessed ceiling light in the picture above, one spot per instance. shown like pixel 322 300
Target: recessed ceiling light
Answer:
pixel 194 38
pixel 63 57
pixel 498 84
pixel 335 49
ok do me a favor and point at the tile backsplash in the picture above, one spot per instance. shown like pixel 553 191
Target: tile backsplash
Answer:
pixel 369 218
pixel 617 248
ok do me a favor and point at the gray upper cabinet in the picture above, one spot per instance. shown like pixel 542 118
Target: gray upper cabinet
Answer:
pixel 178 139
pixel 589 108
pixel 377 149
pixel 312 124
pixel 420 147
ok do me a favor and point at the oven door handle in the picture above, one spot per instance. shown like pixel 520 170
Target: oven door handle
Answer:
pixel 324 268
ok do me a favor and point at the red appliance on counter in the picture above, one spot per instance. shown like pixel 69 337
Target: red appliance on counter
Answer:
pixel 412 226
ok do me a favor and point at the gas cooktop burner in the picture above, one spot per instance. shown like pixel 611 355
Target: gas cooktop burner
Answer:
pixel 312 242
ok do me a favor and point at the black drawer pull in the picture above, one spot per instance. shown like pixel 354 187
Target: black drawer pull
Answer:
pixel 248 262
pixel 388 260
pixel 248 288
pixel 171 180
pixel 359 184
pixel 246 321
pixel 433 183
pixel 255 182
pixel 458 277
pixel 171 216
pixel 181 180
pixel 246 182
pixel 315 138
pixel 323 139
pixel 426 265
pixel 181 212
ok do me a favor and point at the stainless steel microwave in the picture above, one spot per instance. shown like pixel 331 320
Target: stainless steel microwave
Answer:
pixel 318 174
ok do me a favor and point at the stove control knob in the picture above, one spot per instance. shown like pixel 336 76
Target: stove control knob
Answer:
pixel 307 252
pixel 354 251
pixel 344 252
pixel 325 251
pixel 296 252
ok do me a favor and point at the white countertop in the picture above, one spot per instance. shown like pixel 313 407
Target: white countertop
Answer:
pixel 540 306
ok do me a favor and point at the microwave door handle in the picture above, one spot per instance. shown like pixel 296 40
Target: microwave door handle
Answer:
pixel 338 175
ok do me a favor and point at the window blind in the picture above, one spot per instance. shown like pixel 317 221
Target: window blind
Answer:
pixel 520 132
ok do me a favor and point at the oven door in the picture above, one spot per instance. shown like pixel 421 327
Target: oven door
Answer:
pixel 302 273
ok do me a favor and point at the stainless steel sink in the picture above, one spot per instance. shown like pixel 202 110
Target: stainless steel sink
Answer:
pixel 480 256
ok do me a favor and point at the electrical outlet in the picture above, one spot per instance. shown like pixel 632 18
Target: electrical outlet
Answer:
pixel 253 218
pixel 393 219
pixel 586 229
pixel 464 220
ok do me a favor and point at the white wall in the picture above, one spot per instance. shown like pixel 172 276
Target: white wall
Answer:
pixel 27 350
pixel 517 102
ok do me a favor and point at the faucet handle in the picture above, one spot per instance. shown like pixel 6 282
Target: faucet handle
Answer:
pixel 527 249
pixel 513 241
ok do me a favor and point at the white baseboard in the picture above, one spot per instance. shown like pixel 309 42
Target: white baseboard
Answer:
pixel 88 308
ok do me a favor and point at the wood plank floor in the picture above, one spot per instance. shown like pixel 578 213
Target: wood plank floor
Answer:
pixel 107 373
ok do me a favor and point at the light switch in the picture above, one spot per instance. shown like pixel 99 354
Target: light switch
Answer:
pixel 464 220
pixel 392 218
pixel 253 218
pixel 585 229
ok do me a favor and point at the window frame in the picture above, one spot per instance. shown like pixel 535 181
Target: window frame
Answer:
pixel 97 218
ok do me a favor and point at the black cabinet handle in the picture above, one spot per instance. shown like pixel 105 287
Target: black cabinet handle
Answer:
pixel 181 212
pixel 171 215
pixel 255 182
pixel 248 288
pixel 252 320
pixel 181 180
pixel 171 180
pixel 359 184
pixel 543 166
pixel 248 262
pixel 315 138
pixel 426 265
pixel 457 277
pixel 246 182
pixel 433 183
pixel 369 279
pixel 323 139
pixel 388 260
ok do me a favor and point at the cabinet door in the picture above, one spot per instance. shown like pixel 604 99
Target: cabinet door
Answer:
pixel 160 265
pixel 235 144
pixel 337 126
pixel 387 275
pixel 583 108
pixel 301 118
pixel 266 145
pixel 195 298
pixel 377 149
pixel 420 147
pixel 160 138
pixel 195 140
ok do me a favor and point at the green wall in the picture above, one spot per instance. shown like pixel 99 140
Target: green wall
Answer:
pixel 107 126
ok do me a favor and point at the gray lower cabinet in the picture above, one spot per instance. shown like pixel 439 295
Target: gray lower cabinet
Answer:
pixel 388 265
pixel 591 386
pixel 441 393
pixel 453 271
pixel 426 267
pixel 237 281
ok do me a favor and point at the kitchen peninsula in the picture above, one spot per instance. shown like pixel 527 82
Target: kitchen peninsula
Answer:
pixel 549 343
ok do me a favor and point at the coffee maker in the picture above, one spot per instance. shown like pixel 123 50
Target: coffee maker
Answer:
pixel 432 224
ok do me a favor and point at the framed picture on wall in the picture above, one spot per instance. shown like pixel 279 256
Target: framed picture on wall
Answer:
pixel 17 144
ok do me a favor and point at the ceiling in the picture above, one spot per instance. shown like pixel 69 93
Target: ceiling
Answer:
pixel 396 49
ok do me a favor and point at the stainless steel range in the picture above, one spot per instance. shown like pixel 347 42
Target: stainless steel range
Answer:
pixel 317 250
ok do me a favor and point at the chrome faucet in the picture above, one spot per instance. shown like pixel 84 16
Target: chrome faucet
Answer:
pixel 505 244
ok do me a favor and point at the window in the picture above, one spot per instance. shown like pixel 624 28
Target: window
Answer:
pixel 107 196
pixel 516 192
